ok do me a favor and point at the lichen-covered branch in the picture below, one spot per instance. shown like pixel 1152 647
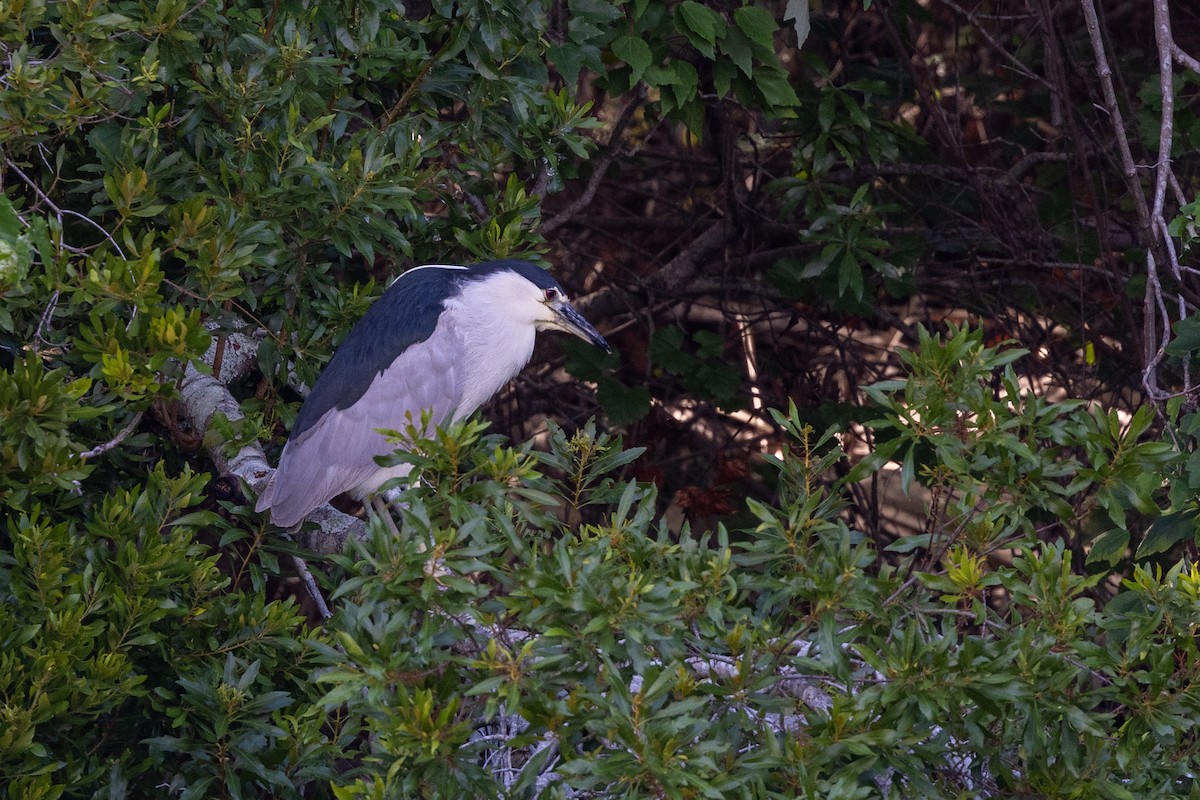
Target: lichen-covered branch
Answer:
pixel 204 395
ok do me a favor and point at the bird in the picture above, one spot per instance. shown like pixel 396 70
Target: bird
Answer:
pixel 442 340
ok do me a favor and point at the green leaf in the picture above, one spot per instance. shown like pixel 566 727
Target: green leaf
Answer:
pixel 623 404
pixel 595 11
pixel 10 226
pixel 908 469
pixel 1109 547
pixel 691 113
pixel 906 544
pixel 611 462
pixel 775 88
pixel 850 277
pixel 531 771
pixel 587 362
pixel 666 351
pixel 723 73
pixel 111 20
pixel 635 52
pixel 1187 338
pixel 737 46
pixel 700 21
pixel 758 25
pixel 826 109
pixel 196 519
pixel 487 685
pixel 1168 531
pixel 684 80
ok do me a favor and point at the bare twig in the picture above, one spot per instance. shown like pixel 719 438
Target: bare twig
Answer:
pixel 45 322
pixel 997 47
pixel 1162 170
pixel 1030 160
pixel 477 205
pixel 414 84
pixel 1151 355
pixel 101 449
pixel 59 212
pixel 1184 59
pixel 672 280
pixel 614 150
pixel 310 583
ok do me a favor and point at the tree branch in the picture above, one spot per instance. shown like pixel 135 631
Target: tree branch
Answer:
pixel 101 449
pixel 1162 175
pixel 1184 59
pixel 203 396
pixel 671 280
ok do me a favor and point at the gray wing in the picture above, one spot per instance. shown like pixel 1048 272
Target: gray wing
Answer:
pixel 338 452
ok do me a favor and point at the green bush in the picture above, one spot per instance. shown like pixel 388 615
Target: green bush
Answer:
pixel 484 646
pixel 127 662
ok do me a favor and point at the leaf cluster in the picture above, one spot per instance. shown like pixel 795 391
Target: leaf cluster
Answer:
pixel 527 624
pixel 128 663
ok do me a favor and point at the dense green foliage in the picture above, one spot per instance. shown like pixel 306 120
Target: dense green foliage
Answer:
pixel 485 647
pixel 533 621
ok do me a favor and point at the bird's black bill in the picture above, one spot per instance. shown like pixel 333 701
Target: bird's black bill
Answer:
pixel 573 322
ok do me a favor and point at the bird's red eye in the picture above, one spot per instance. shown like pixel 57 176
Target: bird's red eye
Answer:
pixel 551 295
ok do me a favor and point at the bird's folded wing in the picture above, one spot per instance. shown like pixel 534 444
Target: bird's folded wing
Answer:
pixel 338 452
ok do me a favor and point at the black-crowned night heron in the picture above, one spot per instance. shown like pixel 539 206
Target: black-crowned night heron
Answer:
pixel 441 339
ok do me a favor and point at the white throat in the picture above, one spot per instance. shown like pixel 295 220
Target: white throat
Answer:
pixel 496 334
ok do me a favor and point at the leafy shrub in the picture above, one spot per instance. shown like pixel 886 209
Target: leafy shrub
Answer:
pixel 127 663
pixel 531 625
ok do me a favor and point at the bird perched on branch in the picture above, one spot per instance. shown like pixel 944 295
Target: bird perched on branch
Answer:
pixel 443 340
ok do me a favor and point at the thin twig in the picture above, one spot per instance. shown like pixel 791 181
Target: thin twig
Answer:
pixel 477 205
pixel 1166 129
pixel 999 48
pixel 673 280
pixel 310 583
pixel 101 449
pixel 1113 109
pixel 614 150
pixel 399 105
pixel 1129 169
pixel 59 212
pixel 1162 170
pixel 390 116
pixel 1030 160
pixel 44 323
